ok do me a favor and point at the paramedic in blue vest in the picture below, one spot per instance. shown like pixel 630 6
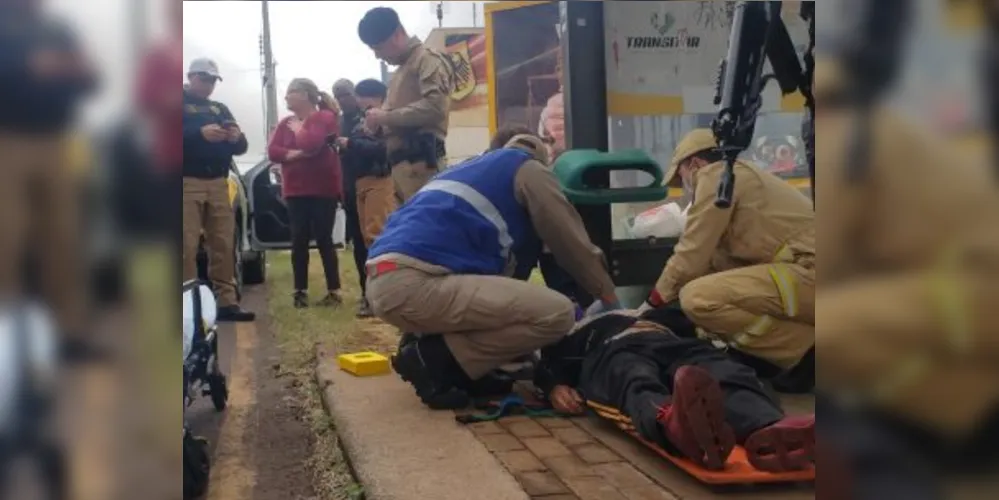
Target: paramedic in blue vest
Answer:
pixel 442 269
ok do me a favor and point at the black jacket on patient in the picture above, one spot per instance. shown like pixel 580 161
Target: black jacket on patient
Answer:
pixel 628 362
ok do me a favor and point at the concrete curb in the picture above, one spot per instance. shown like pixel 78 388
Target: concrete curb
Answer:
pixel 399 449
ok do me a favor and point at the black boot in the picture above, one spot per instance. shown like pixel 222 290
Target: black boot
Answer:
pixel 76 351
pixel 236 314
pixel 491 385
pixel 429 366
pixel 406 339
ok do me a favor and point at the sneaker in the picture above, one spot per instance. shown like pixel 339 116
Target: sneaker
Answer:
pixel 695 420
pixel 788 445
pixel 364 309
pixel 430 367
pixel 332 299
pixel 301 299
pixel 236 314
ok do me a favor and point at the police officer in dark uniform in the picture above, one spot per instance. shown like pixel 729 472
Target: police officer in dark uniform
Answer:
pixel 415 114
pixel 211 138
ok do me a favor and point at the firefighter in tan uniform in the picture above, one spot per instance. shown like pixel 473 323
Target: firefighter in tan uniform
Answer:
pixel 415 114
pixel 442 269
pixel 910 271
pixel 745 274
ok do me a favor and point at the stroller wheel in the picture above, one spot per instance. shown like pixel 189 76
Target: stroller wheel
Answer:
pixel 197 466
pixel 219 390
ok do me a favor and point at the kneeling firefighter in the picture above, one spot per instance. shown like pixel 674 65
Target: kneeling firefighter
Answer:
pixel 442 268
pixel 745 274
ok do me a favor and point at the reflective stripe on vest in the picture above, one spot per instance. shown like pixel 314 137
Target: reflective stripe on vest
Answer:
pixel 481 204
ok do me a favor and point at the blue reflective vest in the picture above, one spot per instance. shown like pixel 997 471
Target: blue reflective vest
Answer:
pixel 466 219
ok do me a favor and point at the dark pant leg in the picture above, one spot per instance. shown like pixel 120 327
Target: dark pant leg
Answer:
pixel 323 220
pixel 354 233
pixel 559 280
pixel 633 384
pixel 299 221
pixel 749 405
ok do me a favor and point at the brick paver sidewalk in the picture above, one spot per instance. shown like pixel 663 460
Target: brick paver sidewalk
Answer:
pixel 585 459
pixel 554 459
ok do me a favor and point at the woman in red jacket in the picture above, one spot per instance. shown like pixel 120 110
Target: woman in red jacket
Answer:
pixel 311 183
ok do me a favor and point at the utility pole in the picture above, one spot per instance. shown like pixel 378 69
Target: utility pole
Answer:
pixel 270 77
pixel 475 14
pixel 385 72
pixel 138 27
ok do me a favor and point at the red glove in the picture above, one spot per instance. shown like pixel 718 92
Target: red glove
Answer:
pixel 654 301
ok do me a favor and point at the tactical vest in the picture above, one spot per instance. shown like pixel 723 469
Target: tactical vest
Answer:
pixel 466 219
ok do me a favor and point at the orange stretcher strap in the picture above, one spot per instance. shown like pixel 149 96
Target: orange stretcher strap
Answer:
pixel 737 470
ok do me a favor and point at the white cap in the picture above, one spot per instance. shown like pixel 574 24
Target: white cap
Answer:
pixel 204 65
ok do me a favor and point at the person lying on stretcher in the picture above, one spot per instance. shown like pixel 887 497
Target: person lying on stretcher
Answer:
pixel 680 392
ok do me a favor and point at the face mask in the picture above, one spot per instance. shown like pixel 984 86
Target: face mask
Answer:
pixel 688 185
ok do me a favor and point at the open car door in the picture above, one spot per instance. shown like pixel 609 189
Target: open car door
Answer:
pixel 268 224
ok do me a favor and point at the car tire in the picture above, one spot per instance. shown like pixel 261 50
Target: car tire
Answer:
pixel 255 269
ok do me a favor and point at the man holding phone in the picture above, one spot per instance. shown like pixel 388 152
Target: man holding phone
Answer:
pixel 45 76
pixel 211 138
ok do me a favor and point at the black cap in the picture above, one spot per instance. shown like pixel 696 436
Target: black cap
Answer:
pixel 371 88
pixel 378 25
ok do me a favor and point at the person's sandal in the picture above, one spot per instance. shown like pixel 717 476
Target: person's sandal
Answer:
pixel 301 300
pixel 332 299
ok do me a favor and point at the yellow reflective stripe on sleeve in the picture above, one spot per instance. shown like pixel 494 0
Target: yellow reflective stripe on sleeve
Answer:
pixel 784 254
pixel 758 327
pixel 785 281
pixel 952 302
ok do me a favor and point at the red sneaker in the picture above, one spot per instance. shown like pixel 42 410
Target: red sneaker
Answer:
pixel 785 446
pixel 695 421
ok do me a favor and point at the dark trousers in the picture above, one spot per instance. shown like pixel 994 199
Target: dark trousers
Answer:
pixel 355 235
pixel 559 280
pixel 313 218
pixel 638 380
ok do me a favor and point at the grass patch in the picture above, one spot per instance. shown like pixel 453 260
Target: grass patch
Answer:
pixel 298 332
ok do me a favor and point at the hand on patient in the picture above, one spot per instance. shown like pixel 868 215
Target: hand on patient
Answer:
pixel 602 306
pixel 566 400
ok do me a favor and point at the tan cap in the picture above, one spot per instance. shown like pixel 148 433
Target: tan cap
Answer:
pixel 531 144
pixel 694 142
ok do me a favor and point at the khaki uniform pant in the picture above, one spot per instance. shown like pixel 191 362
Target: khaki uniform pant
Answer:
pixel 375 202
pixel 767 310
pixel 39 207
pixel 410 177
pixel 486 320
pixel 901 343
pixel 207 208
